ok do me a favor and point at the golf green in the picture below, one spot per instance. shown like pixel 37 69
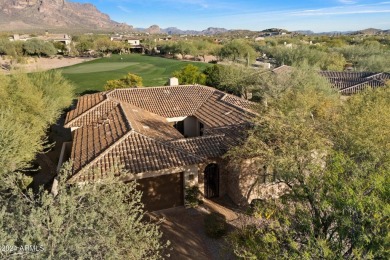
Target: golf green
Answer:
pixel 155 71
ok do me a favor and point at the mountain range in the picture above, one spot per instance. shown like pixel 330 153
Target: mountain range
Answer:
pixel 21 15
pixel 33 15
pixel 155 29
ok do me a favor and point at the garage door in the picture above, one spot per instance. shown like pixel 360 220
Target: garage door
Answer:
pixel 162 192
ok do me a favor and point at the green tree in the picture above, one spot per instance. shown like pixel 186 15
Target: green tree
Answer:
pixel 39 48
pixel 102 221
pixel 6 47
pixel 149 45
pixel 167 48
pixel 84 45
pixel 333 62
pixel 368 56
pixel 103 44
pixel 332 160
pixel 190 74
pixel 61 47
pixel 30 103
pixel 214 76
pixel 237 79
pixel 185 48
pixel 203 48
pixel 129 81
pixel 236 50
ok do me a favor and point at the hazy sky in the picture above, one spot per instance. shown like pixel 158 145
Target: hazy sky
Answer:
pixel 315 15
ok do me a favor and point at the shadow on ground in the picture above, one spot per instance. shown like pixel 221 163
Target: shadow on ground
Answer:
pixel 184 228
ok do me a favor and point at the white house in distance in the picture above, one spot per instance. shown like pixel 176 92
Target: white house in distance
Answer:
pixel 134 42
pixel 59 37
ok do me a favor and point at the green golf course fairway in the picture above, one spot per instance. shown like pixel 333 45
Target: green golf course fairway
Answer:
pixel 92 75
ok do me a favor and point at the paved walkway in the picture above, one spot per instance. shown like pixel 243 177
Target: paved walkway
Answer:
pixel 184 228
pixel 181 227
pixel 217 208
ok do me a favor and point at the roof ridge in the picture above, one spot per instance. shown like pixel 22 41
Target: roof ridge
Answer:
pixel 243 109
pixel 153 87
pixel 233 96
pixel 173 147
pixel 374 75
pixel 357 85
pixel 90 110
pixel 208 97
pixel 234 125
pixel 124 115
pixel 197 138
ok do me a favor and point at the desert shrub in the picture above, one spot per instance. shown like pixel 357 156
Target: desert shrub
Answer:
pixel 192 197
pixel 129 81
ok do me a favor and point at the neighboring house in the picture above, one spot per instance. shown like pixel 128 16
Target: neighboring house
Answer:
pixel 64 38
pixel 18 37
pixel 167 38
pixel 284 69
pixel 135 45
pixel 133 42
pixel 116 38
pixel 167 138
pixel 348 83
pixel 259 39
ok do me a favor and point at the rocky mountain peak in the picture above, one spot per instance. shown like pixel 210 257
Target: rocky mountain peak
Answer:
pixel 53 14
pixel 154 29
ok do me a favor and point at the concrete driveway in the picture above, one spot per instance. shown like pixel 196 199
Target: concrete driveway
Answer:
pixel 185 229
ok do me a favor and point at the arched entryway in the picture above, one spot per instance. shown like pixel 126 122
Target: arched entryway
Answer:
pixel 211 181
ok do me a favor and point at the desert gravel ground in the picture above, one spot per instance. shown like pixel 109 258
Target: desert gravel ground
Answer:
pixel 42 64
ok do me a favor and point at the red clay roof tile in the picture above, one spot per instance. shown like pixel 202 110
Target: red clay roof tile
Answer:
pixel 128 127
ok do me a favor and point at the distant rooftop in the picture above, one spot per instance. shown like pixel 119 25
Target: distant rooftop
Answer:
pixel 348 83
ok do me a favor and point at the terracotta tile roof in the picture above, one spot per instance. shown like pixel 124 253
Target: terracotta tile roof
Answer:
pixel 169 102
pixel 346 74
pixel 217 112
pixel 84 103
pixel 233 134
pixel 239 102
pixel 137 154
pixel 341 83
pixel 348 83
pixel 92 115
pixel 129 127
pixel 204 146
pixel 91 140
pixel 149 124
pixel 282 69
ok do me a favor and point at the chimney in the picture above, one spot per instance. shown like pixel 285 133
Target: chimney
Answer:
pixel 173 81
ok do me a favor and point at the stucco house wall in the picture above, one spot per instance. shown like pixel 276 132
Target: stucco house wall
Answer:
pixel 245 183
